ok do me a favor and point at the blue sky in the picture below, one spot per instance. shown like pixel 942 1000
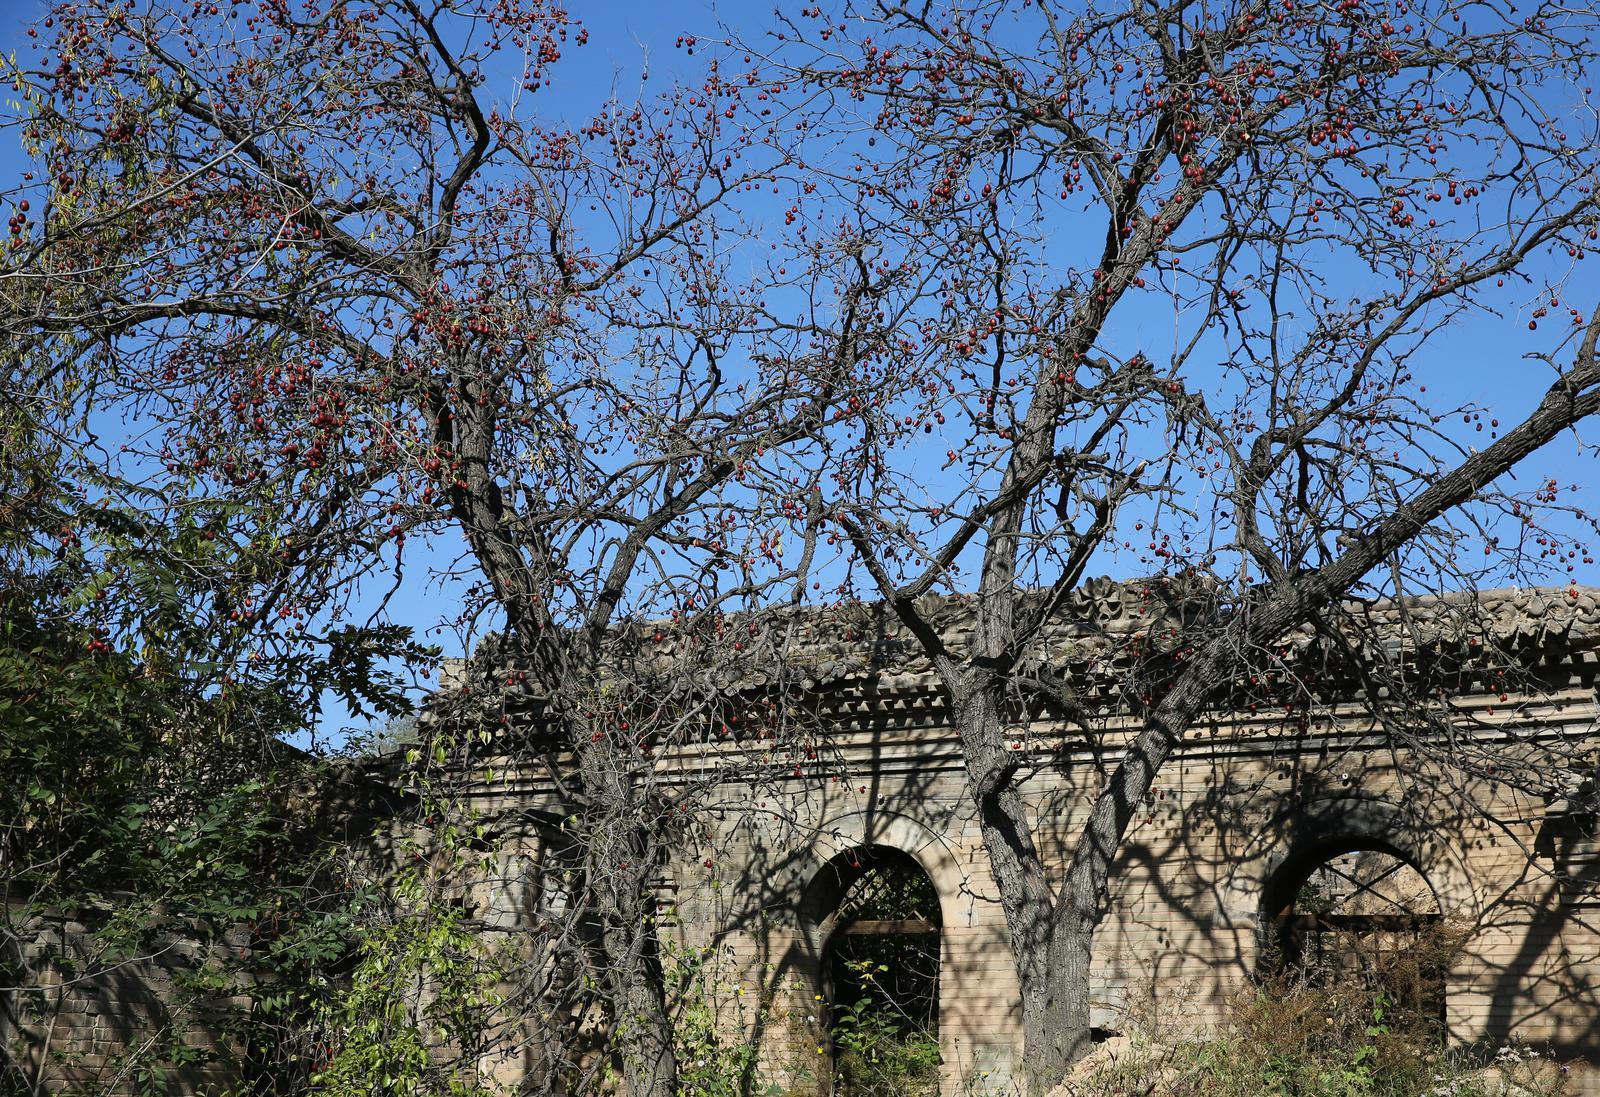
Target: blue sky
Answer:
pixel 627 41
pixel 1480 363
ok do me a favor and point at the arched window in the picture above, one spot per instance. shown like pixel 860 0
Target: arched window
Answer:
pixel 878 914
pixel 1360 911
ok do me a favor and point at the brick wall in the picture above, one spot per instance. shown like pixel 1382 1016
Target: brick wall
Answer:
pixel 80 1016
pixel 1188 923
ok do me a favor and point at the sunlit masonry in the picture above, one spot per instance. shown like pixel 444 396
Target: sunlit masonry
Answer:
pixel 1262 838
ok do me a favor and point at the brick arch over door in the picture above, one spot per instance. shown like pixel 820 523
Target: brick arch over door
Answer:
pixel 814 903
pixel 965 918
pixel 1326 823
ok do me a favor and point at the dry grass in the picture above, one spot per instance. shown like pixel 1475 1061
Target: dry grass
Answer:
pixel 1373 1032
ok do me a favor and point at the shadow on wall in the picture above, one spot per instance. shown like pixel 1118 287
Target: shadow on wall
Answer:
pixel 91 1020
pixel 1541 956
pixel 1231 864
pixel 1213 875
pixel 1516 894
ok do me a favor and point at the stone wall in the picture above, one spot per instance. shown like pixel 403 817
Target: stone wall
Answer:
pixel 81 1017
pixel 1245 800
pixel 1248 801
pixel 1188 920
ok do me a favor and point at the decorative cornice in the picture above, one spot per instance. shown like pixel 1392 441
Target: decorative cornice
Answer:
pixel 1100 630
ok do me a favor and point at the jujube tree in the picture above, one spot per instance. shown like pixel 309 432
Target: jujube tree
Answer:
pixel 1176 278
pixel 334 267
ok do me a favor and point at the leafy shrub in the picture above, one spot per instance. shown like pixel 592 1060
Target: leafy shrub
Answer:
pixel 712 1062
pixel 880 1053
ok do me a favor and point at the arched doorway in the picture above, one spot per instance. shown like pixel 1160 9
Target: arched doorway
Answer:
pixel 1360 913
pixel 878 916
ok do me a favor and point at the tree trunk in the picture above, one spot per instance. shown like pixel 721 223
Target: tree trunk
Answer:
pixel 623 859
pixel 649 1063
pixel 1052 930
pixel 1051 954
pixel 1055 1017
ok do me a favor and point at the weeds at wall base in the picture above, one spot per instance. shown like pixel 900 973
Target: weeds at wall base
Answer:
pixel 1371 1030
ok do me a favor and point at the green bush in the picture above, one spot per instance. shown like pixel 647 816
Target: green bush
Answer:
pixel 712 1062
pixel 878 1052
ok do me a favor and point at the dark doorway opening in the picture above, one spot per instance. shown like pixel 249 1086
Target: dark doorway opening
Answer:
pixel 1360 914
pixel 881 976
